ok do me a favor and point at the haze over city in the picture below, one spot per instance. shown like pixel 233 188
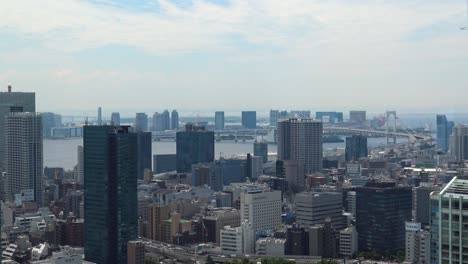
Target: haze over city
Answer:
pixel 212 54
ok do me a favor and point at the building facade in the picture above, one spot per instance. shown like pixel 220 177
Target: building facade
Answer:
pixel 249 119
pixel 313 208
pixel 219 120
pixel 194 145
pixel 261 150
pixel 261 208
pixel 356 148
pixel 444 131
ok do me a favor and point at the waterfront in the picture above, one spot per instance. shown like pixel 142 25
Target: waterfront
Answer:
pixel 63 152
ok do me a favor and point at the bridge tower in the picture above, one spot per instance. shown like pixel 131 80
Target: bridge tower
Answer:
pixel 389 115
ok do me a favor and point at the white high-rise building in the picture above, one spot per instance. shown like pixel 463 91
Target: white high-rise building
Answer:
pixel 301 139
pixel 348 241
pixel 238 240
pixel 261 208
pixel 24 157
pixel 80 166
pixel 418 243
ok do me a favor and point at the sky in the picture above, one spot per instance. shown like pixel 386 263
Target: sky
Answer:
pixel 202 55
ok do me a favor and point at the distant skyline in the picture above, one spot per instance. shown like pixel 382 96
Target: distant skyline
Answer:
pixel 207 55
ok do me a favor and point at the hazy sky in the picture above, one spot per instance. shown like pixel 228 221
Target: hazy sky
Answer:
pixel 148 55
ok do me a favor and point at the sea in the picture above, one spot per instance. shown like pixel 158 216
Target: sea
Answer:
pixel 63 152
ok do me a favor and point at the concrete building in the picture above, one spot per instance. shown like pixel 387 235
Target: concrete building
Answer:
pixel 239 240
pixel 164 163
pixel 459 143
pixel 449 208
pixel 348 242
pixel 13 102
pixel 24 157
pixel 136 252
pixel 357 116
pixel 174 120
pixel 194 145
pixel 270 247
pixel 115 118
pixel 141 122
pixel 261 150
pixel 294 173
pixel 301 139
pixel 418 244
pixel 313 208
pixel 219 120
pixel 261 208
pixel 249 119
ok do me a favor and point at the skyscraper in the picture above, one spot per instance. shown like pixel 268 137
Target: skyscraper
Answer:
pixel 144 152
pixel 141 122
pixel 219 120
pixel 261 150
pixel 194 145
pixel 13 102
pixel 459 143
pixel 382 209
pixel 23 149
pixel 115 118
pixel 49 121
pixel 356 147
pixel 357 116
pixel 174 120
pixel 110 166
pixel 166 119
pixel 449 223
pixel 249 119
pixel 444 131
pixel 301 139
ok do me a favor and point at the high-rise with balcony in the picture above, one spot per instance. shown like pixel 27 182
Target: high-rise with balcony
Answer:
pixel 24 155
pixel 301 139
pixel 110 207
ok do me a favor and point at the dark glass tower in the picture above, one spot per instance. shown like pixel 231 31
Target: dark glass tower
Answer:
pixel 144 152
pixel 381 212
pixel 110 181
pixel 261 150
pixel 249 119
pixel 356 147
pixel 194 145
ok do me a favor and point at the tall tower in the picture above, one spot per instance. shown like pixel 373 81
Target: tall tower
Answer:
pixel 110 169
pixel 219 120
pixel 194 145
pixel 23 150
pixel 174 120
pixel 249 119
pixel 13 102
pixel 356 147
pixel 301 139
pixel 391 114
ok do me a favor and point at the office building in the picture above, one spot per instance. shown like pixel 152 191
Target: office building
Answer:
pixel 219 120
pixel 357 116
pixel 421 200
pixel 313 208
pixel 24 157
pixel 80 166
pixel 301 139
pixel 13 102
pixel 141 122
pixel 238 240
pixel 50 121
pixel 294 172
pixel 164 163
pixel 256 167
pixel 381 211
pixel 329 117
pixel 323 240
pixel 348 242
pixel 136 252
pixel 356 148
pixel 115 118
pixel 417 244
pixel 270 247
pixel 261 208
pixel 449 221
pixel 444 131
pixel 174 120
pixel 110 187
pixel 194 145
pixel 297 241
pixel 459 143
pixel 261 150
pixel 144 153
pixel 249 119
pixel 166 120
pixel 216 220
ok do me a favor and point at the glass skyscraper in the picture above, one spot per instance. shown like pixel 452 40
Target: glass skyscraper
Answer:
pixel 194 145
pixel 444 131
pixel 110 187
pixel 356 147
